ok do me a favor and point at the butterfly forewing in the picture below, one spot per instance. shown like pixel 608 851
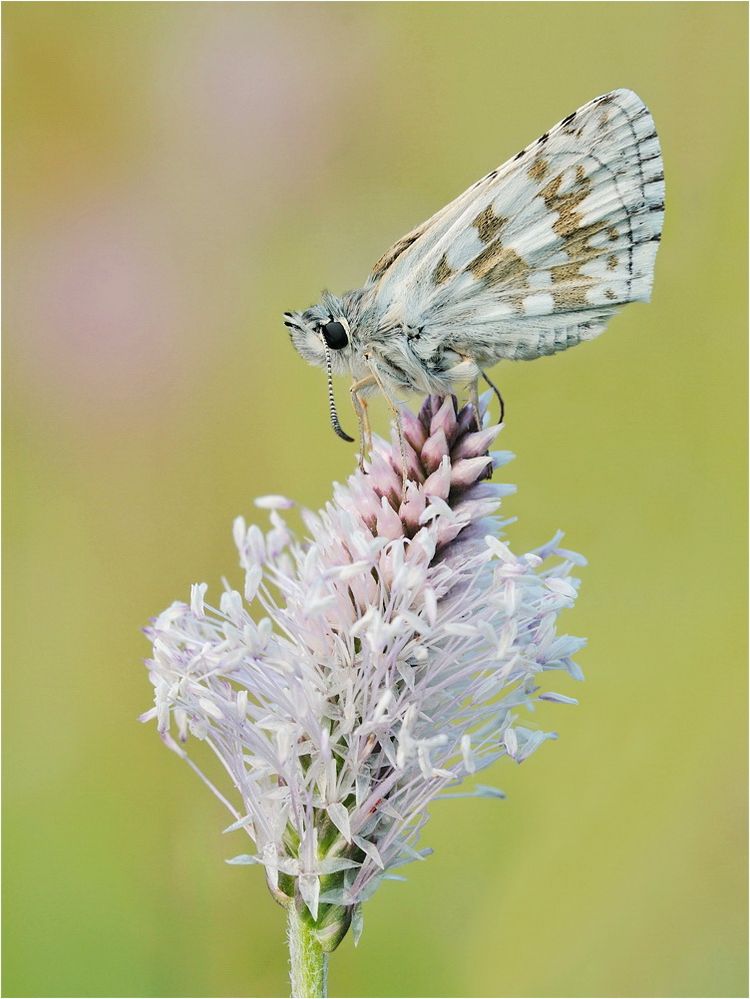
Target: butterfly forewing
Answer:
pixel 538 254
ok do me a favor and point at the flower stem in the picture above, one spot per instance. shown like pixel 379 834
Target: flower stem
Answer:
pixel 309 965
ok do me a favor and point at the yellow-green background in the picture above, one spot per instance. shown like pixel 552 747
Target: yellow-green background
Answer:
pixel 176 176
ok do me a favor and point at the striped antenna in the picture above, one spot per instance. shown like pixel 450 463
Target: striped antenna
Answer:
pixel 332 402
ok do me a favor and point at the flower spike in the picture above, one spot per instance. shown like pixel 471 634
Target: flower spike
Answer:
pixel 370 669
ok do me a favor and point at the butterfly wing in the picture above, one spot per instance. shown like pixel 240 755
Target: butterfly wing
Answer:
pixel 541 252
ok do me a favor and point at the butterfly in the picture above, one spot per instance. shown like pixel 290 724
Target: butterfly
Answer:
pixel 534 258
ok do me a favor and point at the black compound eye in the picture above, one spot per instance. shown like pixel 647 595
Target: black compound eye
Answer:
pixel 334 335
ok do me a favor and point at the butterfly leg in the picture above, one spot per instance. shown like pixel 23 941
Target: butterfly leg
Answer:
pixel 360 408
pixel 367 428
pixel 474 400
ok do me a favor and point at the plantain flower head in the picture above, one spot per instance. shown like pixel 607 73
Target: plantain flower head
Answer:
pixel 372 667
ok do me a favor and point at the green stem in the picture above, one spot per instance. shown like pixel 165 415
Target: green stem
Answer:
pixel 309 965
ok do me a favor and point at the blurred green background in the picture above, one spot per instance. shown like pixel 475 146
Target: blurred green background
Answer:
pixel 178 175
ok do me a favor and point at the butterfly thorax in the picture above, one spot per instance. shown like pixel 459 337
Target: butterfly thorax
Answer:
pixel 404 352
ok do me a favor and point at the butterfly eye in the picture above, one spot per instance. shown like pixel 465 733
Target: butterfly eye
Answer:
pixel 334 335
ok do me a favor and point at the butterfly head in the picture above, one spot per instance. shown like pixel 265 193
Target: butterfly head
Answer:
pixel 322 332
pixel 314 336
pixel 322 336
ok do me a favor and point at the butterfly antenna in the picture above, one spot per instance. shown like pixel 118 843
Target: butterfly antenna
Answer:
pixel 332 403
pixel 496 390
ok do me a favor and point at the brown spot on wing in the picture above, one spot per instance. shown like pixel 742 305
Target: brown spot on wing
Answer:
pixel 569 285
pixel 567 272
pixel 570 298
pixel 569 222
pixel 488 224
pixel 578 245
pixel 538 169
pixel 568 219
pixel 442 272
pixel 395 252
pixel 550 189
pixel 497 264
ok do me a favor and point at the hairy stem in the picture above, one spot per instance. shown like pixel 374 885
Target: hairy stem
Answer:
pixel 308 963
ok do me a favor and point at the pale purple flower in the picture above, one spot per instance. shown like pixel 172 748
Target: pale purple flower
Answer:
pixel 363 672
